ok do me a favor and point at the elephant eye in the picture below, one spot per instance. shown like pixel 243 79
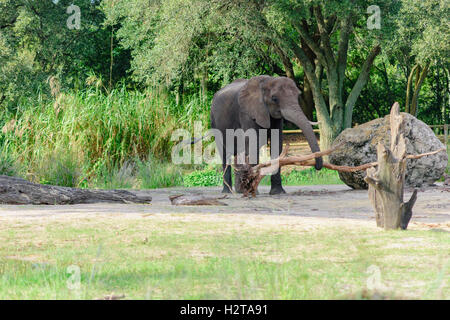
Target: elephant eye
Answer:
pixel 275 99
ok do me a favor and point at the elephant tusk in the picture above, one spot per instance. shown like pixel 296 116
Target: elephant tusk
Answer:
pixel 314 123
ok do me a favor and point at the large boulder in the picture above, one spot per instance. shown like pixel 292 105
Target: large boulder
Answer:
pixel 361 147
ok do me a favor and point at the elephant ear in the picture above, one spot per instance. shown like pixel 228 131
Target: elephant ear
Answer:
pixel 251 101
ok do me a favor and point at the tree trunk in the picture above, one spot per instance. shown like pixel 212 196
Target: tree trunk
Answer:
pixel 308 99
pixel 327 137
pixel 420 74
pixel 418 85
pixel 386 183
pixel 19 191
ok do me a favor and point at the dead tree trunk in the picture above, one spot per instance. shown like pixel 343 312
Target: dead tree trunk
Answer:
pixel 386 183
pixel 19 191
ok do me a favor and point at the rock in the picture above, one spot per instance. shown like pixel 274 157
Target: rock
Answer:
pixel 361 143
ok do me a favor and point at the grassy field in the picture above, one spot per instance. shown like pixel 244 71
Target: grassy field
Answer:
pixel 234 257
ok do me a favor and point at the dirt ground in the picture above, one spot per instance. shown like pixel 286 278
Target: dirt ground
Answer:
pixel 328 204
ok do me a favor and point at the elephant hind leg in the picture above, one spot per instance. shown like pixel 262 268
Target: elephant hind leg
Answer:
pixel 275 151
pixel 226 171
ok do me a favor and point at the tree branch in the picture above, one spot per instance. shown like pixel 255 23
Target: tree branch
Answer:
pixel 303 32
pixel 418 86
pixel 320 104
pixel 289 70
pixel 408 89
pixel 324 36
pixel 346 28
pixel 359 85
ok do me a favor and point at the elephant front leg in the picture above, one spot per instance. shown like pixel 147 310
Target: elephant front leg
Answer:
pixel 275 151
pixel 226 179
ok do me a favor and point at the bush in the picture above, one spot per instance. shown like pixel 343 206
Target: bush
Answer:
pixel 204 178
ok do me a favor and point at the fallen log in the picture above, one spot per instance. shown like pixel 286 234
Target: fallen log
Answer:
pixel 19 191
pixel 183 200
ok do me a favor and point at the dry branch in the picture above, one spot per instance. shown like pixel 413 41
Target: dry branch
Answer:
pixel 251 176
pixel 342 168
pixel 418 156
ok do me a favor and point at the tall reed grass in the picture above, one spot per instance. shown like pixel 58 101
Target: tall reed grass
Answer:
pixel 82 138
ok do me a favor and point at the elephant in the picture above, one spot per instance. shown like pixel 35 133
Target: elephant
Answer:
pixel 259 103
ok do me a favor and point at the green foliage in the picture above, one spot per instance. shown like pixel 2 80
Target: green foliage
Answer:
pixel 311 177
pixel 59 169
pixel 35 43
pixel 205 178
pixel 155 174
pixel 85 134
pixel 8 165
pixel 422 31
pixel 113 127
pixel 149 174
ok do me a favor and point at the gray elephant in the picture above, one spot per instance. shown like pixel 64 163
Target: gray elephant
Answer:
pixel 259 103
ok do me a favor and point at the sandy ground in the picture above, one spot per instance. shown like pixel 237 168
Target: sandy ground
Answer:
pixel 323 204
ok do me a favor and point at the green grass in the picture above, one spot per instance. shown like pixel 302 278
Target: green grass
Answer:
pixel 149 174
pixel 88 134
pixel 213 177
pixel 8 165
pixel 201 257
pixel 310 177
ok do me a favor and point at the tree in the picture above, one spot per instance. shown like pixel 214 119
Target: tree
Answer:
pixel 310 39
pixel 183 45
pixel 422 40
pixel 36 43
pixel 318 34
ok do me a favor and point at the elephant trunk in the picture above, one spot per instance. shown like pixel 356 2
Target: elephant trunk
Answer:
pixel 296 116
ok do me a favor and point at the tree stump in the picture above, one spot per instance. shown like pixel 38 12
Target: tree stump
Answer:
pixel 386 182
pixel 19 191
